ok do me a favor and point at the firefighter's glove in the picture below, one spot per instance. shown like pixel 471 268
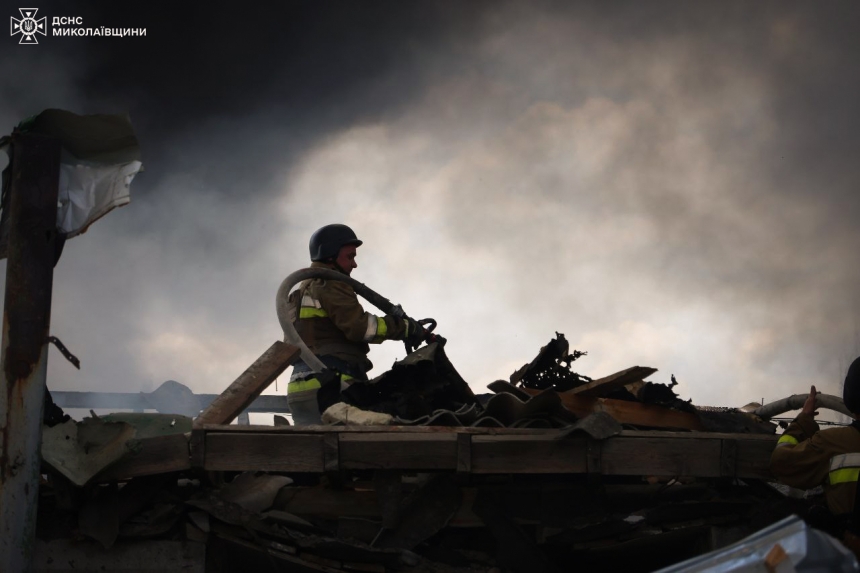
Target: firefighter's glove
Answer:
pixel 415 333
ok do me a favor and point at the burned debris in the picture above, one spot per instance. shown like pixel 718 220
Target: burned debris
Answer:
pixel 416 473
pixel 423 383
pixel 551 368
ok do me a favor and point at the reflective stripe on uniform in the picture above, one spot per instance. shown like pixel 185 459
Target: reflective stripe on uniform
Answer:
pixel 308 300
pixel 786 440
pixel 303 385
pixel 376 329
pixel 310 312
pixel 844 468
pixel 314 384
pixel 370 332
pixel 846 475
pixel 844 461
pixel 311 308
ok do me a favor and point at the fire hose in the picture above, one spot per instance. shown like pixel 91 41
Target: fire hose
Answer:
pixel 290 335
pixel 795 402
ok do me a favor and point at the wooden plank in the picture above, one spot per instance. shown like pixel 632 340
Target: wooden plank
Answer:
pixel 245 389
pixel 626 412
pixel 326 429
pixel 661 457
pixel 686 455
pixel 607 385
pixel 398 451
pixel 535 454
pixel 728 458
pixel 464 453
pixel 693 454
pixel 766 438
pixel 264 452
pixel 159 454
pixel 319 430
pixel 331 452
pixel 699 454
pixel 753 458
pixel 197 449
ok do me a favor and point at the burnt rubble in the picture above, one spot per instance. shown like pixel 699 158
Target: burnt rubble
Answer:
pixel 550 472
pixel 551 368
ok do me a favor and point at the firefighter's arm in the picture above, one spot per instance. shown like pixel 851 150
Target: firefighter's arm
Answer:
pixel 800 460
pixel 803 465
pixel 804 426
pixel 344 310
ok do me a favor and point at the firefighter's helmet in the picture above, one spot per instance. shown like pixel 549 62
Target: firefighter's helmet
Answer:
pixel 326 241
pixel 851 390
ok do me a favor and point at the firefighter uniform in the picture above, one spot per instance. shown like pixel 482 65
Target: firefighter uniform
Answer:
pixel 806 457
pixel 331 321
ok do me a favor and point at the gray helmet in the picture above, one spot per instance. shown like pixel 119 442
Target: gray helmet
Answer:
pixel 327 241
pixel 851 389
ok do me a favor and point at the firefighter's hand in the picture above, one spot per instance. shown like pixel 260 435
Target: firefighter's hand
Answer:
pixel 415 333
pixel 809 405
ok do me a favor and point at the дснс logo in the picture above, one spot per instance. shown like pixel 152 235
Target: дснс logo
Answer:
pixel 28 26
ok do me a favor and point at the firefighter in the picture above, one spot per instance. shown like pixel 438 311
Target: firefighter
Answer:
pixel 330 320
pixel 806 457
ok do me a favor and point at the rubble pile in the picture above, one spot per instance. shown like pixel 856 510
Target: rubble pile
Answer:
pixel 425 389
pixel 550 472
pixel 413 521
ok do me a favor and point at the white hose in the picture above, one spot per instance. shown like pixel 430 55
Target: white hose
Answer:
pixel 795 402
pixel 282 304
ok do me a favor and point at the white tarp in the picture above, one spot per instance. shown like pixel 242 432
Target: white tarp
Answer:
pixel 90 192
pixel 99 160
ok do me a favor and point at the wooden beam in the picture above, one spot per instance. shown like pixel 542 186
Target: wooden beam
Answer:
pixel 32 224
pixel 626 412
pixel 264 452
pixel 607 385
pixel 197 448
pixel 695 454
pixel 331 452
pixel 624 455
pixel 326 429
pixel 464 453
pixel 398 451
pixel 235 399
pixel 536 454
pixel 728 457
pixel 681 435
pixel 653 456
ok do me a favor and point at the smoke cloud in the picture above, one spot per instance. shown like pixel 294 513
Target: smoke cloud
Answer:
pixel 669 185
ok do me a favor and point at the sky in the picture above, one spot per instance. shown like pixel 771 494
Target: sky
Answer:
pixel 669 184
